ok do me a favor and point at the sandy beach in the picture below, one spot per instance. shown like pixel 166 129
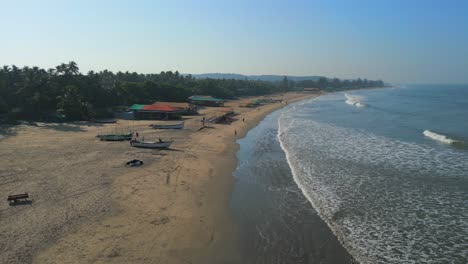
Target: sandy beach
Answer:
pixel 87 207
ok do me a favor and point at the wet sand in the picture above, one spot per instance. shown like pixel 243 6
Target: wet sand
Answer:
pixel 277 224
pixel 87 207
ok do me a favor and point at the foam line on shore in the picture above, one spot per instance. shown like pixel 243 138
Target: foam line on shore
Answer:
pixel 303 190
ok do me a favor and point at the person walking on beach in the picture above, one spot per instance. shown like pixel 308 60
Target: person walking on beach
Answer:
pixel 243 120
pixel 235 132
pixel 203 122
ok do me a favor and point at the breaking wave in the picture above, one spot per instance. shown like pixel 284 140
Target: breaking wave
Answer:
pixel 355 100
pixel 384 199
pixel 440 137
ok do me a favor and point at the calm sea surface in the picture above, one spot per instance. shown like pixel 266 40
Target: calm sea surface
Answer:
pixel 385 169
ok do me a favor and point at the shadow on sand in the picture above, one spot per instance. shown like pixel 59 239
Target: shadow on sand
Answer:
pixel 28 202
pixel 172 149
pixel 205 127
pixel 70 127
pixel 6 131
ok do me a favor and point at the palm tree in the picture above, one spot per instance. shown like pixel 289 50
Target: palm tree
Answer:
pixel 51 72
pixel 61 69
pixel 73 68
pixel 5 69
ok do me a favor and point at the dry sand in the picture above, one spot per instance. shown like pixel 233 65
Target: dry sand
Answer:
pixel 89 208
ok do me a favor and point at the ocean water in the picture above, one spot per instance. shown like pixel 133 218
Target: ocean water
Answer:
pixel 386 169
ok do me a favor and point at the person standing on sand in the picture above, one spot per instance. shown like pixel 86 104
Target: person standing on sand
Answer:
pixel 235 132
pixel 243 120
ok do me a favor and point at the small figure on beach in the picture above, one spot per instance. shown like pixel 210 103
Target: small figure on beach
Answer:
pixel 235 132
pixel 243 120
pixel 136 134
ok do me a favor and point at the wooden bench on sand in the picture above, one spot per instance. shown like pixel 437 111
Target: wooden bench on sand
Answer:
pixel 22 197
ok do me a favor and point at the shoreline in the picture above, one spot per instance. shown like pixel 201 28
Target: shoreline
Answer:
pixel 278 222
pixel 348 193
pixel 173 209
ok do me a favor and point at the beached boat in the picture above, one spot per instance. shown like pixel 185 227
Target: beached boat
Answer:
pixel 173 126
pixel 106 121
pixel 115 137
pixel 144 144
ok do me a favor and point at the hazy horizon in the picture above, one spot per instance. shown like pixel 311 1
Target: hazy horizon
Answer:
pixel 398 42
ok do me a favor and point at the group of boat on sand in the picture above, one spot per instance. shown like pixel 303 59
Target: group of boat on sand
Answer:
pixel 136 142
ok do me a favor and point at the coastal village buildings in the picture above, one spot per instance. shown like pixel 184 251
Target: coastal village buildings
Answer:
pixel 205 100
pixel 312 90
pixel 173 110
pixel 156 112
pixel 189 109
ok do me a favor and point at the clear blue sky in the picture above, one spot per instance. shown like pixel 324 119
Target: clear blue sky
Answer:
pixel 397 41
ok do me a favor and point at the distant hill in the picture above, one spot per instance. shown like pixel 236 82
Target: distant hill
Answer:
pixel 271 78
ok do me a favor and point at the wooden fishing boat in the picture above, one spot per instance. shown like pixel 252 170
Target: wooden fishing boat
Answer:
pixel 115 137
pixel 144 144
pixel 173 126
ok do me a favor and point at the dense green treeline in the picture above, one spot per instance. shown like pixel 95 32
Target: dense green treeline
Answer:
pixel 337 84
pixel 35 93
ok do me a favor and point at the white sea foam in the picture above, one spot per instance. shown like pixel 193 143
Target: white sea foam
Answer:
pixel 355 100
pixel 439 137
pixel 360 104
pixel 383 198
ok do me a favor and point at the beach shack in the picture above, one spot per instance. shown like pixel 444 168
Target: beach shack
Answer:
pixel 189 109
pixel 206 100
pixel 312 90
pixel 268 101
pixel 254 103
pixel 156 112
